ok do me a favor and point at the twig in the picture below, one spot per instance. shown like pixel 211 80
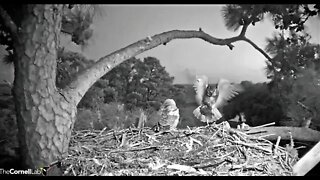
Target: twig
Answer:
pixel 124 140
pixel 277 145
pixel 265 125
pixel 245 163
pixel 135 149
pixel 252 146
pixel 256 132
pixel 215 152
pixel 266 135
pixel 100 133
pixel 247 167
pixel 304 106
pixel 210 164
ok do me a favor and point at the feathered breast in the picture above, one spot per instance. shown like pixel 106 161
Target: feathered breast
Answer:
pixel 168 118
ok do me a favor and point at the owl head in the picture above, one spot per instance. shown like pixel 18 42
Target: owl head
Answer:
pixel 169 104
pixel 210 91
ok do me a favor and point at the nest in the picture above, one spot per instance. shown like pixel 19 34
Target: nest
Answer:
pixel 206 150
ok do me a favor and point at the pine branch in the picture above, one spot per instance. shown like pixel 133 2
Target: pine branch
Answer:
pixel 257 48
pixel 304 106
pixel 83 81
pixel 244 30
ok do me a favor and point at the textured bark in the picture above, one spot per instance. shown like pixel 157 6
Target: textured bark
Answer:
pixel 45 118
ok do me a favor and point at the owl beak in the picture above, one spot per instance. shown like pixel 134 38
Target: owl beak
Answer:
pixel 215 93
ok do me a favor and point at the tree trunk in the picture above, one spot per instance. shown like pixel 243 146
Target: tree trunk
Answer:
pixel 45 117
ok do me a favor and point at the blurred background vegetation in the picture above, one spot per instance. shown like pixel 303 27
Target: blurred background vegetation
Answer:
pixel 290 98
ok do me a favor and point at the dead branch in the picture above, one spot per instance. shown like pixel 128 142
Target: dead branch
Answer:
pixel 298 133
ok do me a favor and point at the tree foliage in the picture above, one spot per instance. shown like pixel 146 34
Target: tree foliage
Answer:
pixel 68 65
pixel 136 83
pixel 140 83
pixel 290 54
pixel 76 21
pixel 294 61
pixel 304 100
pixel 284 16
pixel 257 104
pixel 294 74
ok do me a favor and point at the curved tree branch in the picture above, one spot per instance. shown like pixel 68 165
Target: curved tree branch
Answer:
pixel 243 37
pixel 84 80
pixel 8 22
pixel 257 48
pixel 244 30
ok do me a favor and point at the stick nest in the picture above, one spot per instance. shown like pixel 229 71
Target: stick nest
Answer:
pixel 206 150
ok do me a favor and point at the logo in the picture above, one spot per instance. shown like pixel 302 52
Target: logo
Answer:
pixel 53 169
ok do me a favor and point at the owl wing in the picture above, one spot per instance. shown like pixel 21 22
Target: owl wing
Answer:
pixel 200 86
pixel 173 118
pixel 226 91
pixel 163 112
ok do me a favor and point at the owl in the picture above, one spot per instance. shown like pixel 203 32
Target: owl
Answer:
pixel 211 99
pixel 169 114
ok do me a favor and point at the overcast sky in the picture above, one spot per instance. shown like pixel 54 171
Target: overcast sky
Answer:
pixel 122 25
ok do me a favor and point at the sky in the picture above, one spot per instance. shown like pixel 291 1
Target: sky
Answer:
pixel 121 25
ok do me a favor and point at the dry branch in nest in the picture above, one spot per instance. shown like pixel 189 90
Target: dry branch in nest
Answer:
pixel 206 150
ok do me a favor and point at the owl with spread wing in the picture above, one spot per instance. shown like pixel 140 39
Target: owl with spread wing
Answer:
pixel 210 99
pixel 169 114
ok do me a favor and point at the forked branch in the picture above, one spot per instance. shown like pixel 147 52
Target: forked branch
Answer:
pixel 79 86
